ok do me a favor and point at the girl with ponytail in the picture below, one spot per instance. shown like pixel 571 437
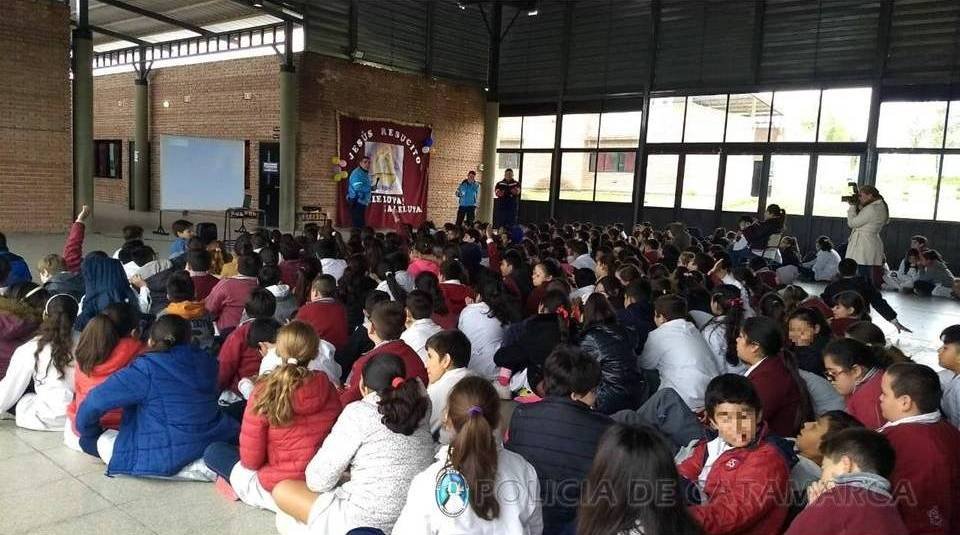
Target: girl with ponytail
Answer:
pixel 475 486
pixel 290 413
pixel 722 330
pixel 855 370
pixel 46 361
pixel 382 440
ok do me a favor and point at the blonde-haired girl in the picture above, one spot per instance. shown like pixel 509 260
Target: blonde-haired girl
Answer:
pixel 290 413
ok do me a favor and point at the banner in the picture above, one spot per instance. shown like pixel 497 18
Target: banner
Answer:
pixel 398 169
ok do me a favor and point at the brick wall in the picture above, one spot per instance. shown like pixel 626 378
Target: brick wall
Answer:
pixel 217 109
pixel 36 170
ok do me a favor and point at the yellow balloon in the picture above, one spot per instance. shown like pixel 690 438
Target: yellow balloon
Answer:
pixel 335 160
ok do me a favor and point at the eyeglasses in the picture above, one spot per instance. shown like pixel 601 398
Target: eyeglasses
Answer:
pixel 832 376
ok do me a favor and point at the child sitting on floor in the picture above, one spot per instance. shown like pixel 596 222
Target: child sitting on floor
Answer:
pixel 849 307
pixel 181 293
pixel 290 413
pixel 809 449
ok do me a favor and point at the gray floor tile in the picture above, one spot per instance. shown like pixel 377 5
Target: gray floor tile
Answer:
pixel 50 503
pixel 27 472
pixel 110 521
pixel 120 490
pixel 40 440
pixel 74 462
pixel 194 505
pixel 252 522
pixel 11 445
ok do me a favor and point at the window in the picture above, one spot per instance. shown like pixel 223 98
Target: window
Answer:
pixel 666 120
pixel 844 114
pixel 661 186
pixel 106 158
pixel 787 186
pixel 620 130
pixel 535 176
pixel 953 125
pixel 741 188
pixel 577 172
pixel 580 131
pixel 908 182
pixel 833 174
pixel 948 207
pixel 794 116
pixel 700 181
pixel 705 117
pixel 748 117
pixel 912 124
pixel 539 131
pixel 615 176
pixel 508 132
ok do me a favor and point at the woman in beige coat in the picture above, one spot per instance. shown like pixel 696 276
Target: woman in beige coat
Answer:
pixel 866 219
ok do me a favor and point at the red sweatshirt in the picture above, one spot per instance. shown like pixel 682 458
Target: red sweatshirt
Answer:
pixel 780 395
pixel 329 318
pixel 203 285
pixel 288 272
pixel 411 361
pixel 864 403
pixel 849 510
pixel 926 477
pixel 226 300
pixel 73 247
pixel 123 353
pixel 455 295
pixel 237 360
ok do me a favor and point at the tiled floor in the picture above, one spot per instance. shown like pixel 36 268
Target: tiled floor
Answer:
pixel 49 489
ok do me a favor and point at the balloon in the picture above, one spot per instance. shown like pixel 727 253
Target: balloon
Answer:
pixel 335 160
pixel 426 149
pixel 428 142
pixel 342 163
pixel 342 174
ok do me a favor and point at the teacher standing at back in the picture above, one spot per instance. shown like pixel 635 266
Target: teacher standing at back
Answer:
pixel 358 193
pixel 507 193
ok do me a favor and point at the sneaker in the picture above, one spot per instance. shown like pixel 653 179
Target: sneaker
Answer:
pixel 224 489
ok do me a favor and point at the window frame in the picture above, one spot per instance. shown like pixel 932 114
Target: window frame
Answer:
pixel 118 143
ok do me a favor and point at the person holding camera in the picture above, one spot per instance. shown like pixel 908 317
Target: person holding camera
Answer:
pixel 866 217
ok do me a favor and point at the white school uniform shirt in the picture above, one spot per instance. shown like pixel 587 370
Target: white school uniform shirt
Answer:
pixel 333 267
pixel 323 362
pixel 417 333
pixel 403 280
pixel 744 294
pixel 517 491
pixel 439 391
pixel 825 266
pixel 715 448
pixel 686 364
pixel 45 410
pixel 584 261
pixel 950 403
pixel 926 418
pixel 485 335
pixel 715 334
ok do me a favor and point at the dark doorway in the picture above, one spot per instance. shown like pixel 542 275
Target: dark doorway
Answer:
pixel 270 183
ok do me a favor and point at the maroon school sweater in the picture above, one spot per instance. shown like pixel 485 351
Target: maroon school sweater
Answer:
pixel 849 510
pixel 329 318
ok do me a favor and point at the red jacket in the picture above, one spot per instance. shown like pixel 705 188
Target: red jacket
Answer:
pixel 124 352
pixel 747 490
pixel 780 395
pixel 926 477
pixel 279 453
pixel 849 510
pixel 288 272
pixel 226 300
pixel 329 318
pixel 455 295
pixel 237 360
pixel 73 247
pixel 864 403
pixel 203 285
pixel 411 361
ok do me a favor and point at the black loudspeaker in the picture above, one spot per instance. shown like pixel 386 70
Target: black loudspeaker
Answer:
pixel 207 232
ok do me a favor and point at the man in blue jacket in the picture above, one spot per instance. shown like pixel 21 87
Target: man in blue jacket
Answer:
pixel 358 193
pixel 19 270
pixel 468 192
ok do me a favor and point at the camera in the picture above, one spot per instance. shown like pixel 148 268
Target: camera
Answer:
pixel 853 197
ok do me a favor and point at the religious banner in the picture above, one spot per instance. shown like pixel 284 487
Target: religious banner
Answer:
pixel 398 169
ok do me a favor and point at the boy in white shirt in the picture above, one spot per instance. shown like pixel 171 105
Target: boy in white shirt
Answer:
pixel 420 325
pixel 949 357
pixel 449 355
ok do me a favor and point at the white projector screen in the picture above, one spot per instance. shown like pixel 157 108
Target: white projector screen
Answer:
pixel 198 173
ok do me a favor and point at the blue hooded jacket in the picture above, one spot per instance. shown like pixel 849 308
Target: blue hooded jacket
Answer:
pixel 170 412
pixel 105 282
pixel 19 270
pixel 358 186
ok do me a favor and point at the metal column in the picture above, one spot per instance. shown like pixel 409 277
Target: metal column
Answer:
pixel 288 135
pixel 139 182
pixel 82 111
pixel 491 117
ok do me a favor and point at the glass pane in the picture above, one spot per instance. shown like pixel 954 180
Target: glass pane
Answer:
pixel 620 130
pixel 788 182
pixel 911 124
pixel 953 126
pixel 576 174
pixel 833 174
pixel 508 132
pixel 748 117
pixel 661 183
pixel 844 113
pixel 615 176
pixel 700 181
pixel 741 187
pixel 705 116
pixel 506 160
pixel 535 178
pixel 666 120
pixel 795 116
pixel 580 130
pixel 908 182
pixel 539 131
pixel 948 209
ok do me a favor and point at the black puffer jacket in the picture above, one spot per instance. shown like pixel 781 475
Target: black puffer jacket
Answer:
pixel 539 336
pixel 620 384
